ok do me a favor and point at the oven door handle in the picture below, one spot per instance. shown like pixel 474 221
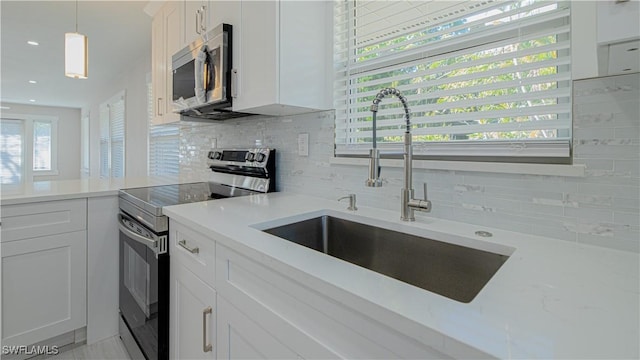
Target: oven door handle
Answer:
pixel 150 243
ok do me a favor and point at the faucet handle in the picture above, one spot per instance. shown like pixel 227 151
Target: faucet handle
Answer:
pixel 424 187
pixel 421 205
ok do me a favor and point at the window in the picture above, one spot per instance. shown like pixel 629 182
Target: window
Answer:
pixel 85 169
pixel 11 148
pixel 112 140
pixel 42 137
pixel 483 80
pixel 164 144
pixel 26 156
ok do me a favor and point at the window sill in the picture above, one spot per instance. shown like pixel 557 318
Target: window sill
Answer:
pixel 472 166
pixel 37 173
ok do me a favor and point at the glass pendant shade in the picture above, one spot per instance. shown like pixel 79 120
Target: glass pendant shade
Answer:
pixel 76 55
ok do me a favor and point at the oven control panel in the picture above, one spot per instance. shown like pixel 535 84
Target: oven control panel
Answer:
pixel 248 158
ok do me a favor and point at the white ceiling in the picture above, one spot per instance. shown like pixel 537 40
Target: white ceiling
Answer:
pixel 118 32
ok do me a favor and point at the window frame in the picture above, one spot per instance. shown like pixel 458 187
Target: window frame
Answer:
pixel 28 144
pixel 105 107
pixel 54 147
pixel 454 151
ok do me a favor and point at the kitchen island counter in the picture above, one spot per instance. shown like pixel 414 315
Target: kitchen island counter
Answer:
pixel 81 188
pixel 551 299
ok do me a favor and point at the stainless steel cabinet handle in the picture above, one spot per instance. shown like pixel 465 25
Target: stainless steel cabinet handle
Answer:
pixel 193 250
pixel 234 83
pixel 197 20
pixel 159 112
pixel 203 20
pixel 205 347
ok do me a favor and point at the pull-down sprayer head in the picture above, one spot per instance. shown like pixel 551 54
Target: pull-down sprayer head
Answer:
pixel 374 154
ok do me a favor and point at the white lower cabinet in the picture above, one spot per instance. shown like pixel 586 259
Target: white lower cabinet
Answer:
pixel 193 315
pixel 239 337
pixel 44 283
pixel 262 311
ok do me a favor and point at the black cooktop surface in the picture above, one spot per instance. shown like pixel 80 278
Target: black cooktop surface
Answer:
pixel 166 195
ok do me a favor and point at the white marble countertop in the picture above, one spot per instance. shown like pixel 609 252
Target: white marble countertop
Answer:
pixel 551 299
pixel 80 188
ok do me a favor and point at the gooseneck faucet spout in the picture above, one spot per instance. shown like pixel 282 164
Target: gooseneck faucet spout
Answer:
pixel 409 204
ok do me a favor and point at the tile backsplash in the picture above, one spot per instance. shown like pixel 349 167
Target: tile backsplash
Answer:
pixel 602 208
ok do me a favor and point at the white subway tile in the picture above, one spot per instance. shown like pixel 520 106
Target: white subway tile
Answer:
pixel 601 208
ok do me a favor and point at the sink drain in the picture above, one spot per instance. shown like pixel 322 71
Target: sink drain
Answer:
pixel 484 233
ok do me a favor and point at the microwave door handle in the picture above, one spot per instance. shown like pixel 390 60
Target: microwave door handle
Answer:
pixel 205 77
pixel 199 74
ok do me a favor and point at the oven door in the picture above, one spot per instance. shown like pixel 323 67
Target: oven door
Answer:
pixel 144 287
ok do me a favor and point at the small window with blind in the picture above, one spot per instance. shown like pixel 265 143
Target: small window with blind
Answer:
pixel 485 80
pixel 112 139
pixel 164 144
pixel 28 147
pixel 12 171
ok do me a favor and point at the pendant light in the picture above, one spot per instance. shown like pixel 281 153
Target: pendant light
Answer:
pixel 76 53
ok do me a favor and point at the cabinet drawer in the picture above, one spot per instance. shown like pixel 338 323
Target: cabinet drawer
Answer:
pixel 325 328
pixel 26 221
pixel 194 251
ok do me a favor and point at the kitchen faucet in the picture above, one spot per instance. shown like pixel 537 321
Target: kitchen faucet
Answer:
pixel 408 203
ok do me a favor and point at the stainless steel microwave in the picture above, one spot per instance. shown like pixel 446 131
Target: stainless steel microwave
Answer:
pixel 202 76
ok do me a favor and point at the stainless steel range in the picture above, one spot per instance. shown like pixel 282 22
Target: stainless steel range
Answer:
pixel 144 231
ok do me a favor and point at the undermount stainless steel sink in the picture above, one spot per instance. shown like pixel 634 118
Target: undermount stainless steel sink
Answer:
pixel 454 271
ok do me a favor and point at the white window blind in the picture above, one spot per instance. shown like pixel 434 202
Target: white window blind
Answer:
pixel 42 145
pixel 104 142
pixel 112 138
pixel 482 78
pixel 11 151
pixel 84 142
pixel 116 119
pixel 164 144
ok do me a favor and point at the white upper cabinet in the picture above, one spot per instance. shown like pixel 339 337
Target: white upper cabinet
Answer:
pixel 618 37
pixel 618 21
pixel 284 59
pixel 281 53
pixel 195 19
pixel 202 16
pixel 167 37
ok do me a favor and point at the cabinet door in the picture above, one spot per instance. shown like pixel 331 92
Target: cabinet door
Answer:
pixel 174 39
pixel 227 12
pixel 194 19
pixel 44 291
pixel 258 73
pixel 158 68
pixel 193 316
pixel 241 338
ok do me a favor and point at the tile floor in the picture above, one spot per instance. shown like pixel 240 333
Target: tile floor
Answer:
pixel 111 348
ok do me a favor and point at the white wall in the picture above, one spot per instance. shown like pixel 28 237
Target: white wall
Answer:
pixel 134 82
pixel 68 137
pixel 584 40
pixel 602 208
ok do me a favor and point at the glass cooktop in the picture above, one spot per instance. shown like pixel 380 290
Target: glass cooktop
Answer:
pixel 166 195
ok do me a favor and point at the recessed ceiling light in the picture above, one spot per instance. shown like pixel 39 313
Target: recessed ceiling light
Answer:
pixel 32 100
pixel 34 43
pixel 32 82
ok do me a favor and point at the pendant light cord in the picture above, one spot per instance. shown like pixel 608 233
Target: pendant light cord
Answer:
pixel 76 16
